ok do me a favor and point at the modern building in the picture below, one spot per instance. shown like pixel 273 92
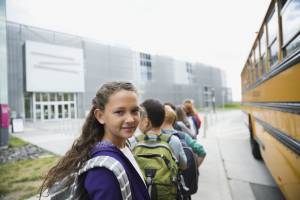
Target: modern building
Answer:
pixel 4 111
pixel 54 75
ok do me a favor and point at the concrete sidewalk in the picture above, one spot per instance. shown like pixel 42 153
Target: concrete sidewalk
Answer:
pixel 54 136
pixel 58 137
pixel 213 183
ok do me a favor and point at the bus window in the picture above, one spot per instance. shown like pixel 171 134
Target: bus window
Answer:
pixel 253 66
pixel 245 78
pixel 262 43
pixel 290 16
pixel 252 69
pixel 256 62
pixel 249 73
pixel 272 27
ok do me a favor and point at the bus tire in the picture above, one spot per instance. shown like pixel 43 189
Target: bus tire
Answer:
pixel 254 145
pixel 255 149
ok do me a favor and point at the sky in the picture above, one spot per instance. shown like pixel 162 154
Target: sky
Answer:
pixel 216 32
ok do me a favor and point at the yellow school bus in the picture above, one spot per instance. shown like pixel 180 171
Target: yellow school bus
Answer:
pixel 270 83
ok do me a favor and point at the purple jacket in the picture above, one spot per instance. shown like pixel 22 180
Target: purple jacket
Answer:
pixel 101 183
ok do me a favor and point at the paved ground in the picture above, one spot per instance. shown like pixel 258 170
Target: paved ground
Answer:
pixel 55 136
pixel 228 172
pixel 245 178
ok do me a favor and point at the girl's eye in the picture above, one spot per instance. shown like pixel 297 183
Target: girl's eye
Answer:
pixel 119 112
pixel 136 111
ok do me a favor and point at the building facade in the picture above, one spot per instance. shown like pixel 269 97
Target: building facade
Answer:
pixel 4 117
pixel 54 75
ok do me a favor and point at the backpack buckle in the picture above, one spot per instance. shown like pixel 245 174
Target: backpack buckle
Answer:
pixel 150 173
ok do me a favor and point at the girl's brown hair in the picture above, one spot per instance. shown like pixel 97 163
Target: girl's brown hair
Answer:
pixel 189 108
pixel 181 116
pixel 92 132
pixel 170 116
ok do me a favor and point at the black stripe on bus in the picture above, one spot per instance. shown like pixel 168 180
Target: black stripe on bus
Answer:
pixel 284 65
pixel 285 107
pixel 288 141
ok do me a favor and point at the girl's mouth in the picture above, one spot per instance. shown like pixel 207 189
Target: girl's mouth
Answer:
pixel 129 129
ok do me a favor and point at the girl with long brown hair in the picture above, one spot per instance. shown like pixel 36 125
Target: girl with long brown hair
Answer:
pixel 113 118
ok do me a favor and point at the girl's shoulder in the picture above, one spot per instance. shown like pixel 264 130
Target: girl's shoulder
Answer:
pixel 99 181
pixel 107 149
pixel 102 147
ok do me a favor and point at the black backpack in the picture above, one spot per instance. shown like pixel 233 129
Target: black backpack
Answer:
pixel 191 173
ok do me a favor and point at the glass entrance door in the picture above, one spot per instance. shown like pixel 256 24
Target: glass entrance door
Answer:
pixel 60 111
pixel 46 112
pixel 66 111
pixel 55 111
pixel 54 106
pixel 52 112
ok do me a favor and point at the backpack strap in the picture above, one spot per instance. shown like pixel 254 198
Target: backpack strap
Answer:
pixel 161 137
pixel 165 137
pixel 177 126
pixel 140 138
pixel 113 165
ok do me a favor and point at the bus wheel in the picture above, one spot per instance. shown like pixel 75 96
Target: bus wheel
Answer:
pixel 255 149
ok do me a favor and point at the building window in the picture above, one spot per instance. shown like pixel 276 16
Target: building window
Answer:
pixel 59 97
pixel 52 96
pixel 189 70
pixel 66 96
pixel 71 97
pixel 146 67
pixel 37 97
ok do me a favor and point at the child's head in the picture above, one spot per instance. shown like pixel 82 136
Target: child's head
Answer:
pixel 188 108
pixel 116 110
pixel 109 88
pixel 171 105
pixel 191 101
pixel 181 115
pixel 155 114
pixel 170 116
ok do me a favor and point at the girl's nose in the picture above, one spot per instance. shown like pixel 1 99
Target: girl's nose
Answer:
pixel 129 118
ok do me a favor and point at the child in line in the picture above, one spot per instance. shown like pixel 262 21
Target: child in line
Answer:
pixel 168 128
pixel 113 118
pixel 193 117
pixel 151 125
pixel 160 156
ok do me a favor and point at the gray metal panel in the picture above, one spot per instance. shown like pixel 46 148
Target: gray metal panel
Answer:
pixel 3 55
pixel 15 75
pixel 121 66
pixel 97 69
pixel 35 34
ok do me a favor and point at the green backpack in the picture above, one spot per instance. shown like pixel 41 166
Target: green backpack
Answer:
pixel 158 165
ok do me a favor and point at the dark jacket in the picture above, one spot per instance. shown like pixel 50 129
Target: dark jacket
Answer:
pixel 101 183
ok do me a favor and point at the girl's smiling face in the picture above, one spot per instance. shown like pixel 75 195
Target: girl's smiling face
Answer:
pixel 120 117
